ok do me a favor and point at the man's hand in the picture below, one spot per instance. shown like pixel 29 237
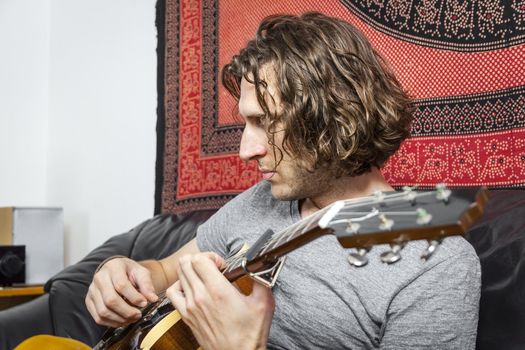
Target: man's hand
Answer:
pixel 220 316
pixel 117 292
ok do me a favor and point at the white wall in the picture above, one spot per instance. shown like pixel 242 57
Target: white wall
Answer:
pixel 24 77
pixel 98 132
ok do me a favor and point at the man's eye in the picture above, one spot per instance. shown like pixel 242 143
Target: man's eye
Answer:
pixel 256 121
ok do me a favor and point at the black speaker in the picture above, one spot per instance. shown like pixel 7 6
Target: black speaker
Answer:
pixel 12 264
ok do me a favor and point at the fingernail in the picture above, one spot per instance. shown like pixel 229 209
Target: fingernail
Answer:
pixel 143 303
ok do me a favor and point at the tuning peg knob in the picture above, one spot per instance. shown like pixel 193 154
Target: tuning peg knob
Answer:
pixel 352 227
pixel 423 217
pixel 432 246
pixel 385 223
pixel 443 193
pixel 358 258
pixel 392 255
pixel 410 195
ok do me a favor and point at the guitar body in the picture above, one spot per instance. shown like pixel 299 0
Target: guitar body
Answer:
pixel 165 330
pixel 177 337
pixel 160 328
pixel 51 342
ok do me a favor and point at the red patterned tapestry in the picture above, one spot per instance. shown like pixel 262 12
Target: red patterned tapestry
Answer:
pixel 462 60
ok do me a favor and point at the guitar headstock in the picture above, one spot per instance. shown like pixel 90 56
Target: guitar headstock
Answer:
pixel 404 216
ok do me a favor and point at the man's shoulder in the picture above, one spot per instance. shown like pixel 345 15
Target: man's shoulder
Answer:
pixel 458 248
pixel 452 257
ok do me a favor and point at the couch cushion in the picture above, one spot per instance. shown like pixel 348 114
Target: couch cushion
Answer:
pixel 499 240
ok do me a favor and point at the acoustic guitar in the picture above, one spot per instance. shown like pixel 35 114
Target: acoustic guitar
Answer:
pixel 381 218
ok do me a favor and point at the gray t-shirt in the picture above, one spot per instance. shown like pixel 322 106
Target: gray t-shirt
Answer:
pixel 322 302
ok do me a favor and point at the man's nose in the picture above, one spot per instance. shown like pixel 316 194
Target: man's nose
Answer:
pixel 253 145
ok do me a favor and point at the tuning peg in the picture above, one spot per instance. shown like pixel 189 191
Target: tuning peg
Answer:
pixel 442 192
pixel 392 255
pixel 358 258
pixel 432 246
pixel 380 197
pixel 352 227
pixel 423 217
pixel 385 223
pixel 410 194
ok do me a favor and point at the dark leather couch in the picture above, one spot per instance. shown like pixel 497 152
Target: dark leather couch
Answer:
pixel 499 239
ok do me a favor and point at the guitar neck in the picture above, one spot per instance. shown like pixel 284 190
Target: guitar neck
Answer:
pixel 269 258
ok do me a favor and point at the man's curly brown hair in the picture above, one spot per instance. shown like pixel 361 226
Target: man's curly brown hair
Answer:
pixel 340 104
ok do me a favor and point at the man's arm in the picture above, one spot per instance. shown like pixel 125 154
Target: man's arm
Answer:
pixel 122 286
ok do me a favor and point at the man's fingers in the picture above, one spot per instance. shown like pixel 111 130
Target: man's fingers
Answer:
pixel 141 278
pixel 191 317
pixel 187 278
pixel 102 314
pixel 217 259
pixel 176 296
pixel 127 290
pixel 125 276
pixel 178 299
pixel 263 294
pixel 103 322
pixel 109 300
pixel 206 266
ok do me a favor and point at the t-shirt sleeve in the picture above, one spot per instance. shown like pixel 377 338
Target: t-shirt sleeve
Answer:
pixel 221 232
pixel 210 235
pixel 438 309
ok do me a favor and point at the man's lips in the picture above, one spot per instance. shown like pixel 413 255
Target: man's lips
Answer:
pixel 266 174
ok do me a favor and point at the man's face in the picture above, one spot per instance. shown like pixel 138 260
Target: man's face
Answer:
pixel 289 181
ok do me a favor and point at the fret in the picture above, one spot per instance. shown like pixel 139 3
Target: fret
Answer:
pixel 234 261
pixel 276 241
pixel 310 224
pixel 361 216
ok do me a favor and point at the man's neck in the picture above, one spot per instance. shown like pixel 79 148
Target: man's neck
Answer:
pixel 346 187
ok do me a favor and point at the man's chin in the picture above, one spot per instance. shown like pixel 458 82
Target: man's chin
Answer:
pixel 282 193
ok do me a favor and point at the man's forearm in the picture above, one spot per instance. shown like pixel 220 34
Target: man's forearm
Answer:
pixel 164 271
pixel 158 275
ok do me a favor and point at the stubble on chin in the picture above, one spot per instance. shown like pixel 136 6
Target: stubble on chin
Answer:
pixel 303 184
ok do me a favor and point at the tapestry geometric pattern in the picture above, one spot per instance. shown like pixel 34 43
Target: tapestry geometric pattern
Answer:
pixel 461 60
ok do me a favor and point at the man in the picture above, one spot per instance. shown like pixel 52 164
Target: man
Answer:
pixel 323 113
